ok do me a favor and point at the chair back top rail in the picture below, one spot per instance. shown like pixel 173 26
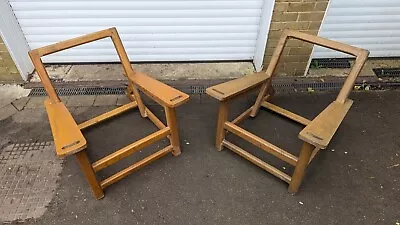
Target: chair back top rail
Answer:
pixel 36 55
pixel 73 42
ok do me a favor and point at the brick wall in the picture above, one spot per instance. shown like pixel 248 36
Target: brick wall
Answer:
pixel 8 70
pixel 302 15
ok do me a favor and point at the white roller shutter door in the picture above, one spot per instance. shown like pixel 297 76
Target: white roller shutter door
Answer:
pixel 369 24
pixel 151 30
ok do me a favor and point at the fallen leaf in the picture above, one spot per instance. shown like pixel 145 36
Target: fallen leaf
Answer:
pixel 395 165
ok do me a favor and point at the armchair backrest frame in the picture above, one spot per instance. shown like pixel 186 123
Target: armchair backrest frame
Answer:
pixel 36 55
pixel 360 54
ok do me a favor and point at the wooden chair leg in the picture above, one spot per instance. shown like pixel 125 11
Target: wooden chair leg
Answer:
pixel 222 118
pixel 134 95
pixel 172 124
pixel 267 86
pixel 299 171
pixel 87 170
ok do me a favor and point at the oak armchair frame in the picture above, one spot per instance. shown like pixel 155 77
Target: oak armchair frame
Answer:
pixel 67 134
pixel 317 132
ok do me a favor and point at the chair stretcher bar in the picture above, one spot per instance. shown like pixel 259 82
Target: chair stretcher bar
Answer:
pixel 261 143
pixel 134 167
pixel 107 115
pixel 286 113
pixel 130 149
pixel 242 116
pixel 258 162
pixel 155 119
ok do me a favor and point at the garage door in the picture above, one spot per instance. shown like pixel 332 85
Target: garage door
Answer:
pixel 369 24
pixel 151 30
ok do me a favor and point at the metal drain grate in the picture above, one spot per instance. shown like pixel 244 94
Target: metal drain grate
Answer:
pixel 387 72
pixel 197 89
pixel 283 87
pixel 287 87
pixel 21 149
pixel 330 63
pixel 325 86
pixel 28 180
pixel 65 91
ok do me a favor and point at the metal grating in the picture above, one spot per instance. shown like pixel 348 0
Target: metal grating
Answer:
pixel 325 86
pixel 284 87
pixel 66 91
pixel 28 180
pixel 198 89
pixel 21 149
pixel 330 63
pixel 387 72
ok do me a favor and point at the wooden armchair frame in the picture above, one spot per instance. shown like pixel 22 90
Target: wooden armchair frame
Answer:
pixel 67 134
pixel 317 132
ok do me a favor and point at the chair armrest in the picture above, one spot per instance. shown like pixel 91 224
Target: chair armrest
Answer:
pixel 235 87
pixel 68 138
pixel 161 93
pixel 321 130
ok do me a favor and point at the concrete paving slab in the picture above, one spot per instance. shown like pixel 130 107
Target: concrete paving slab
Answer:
pixel 354 181
pixel 64 99
pixel 30 115
pixel 176 71
pixel 56 72
pixel 9 93
pixel 35 102
pixel 7 111
pixel 105 100
pixel 163 71
pixel 95 72
pixel 20 103
pixel 81 100
pixel 122 100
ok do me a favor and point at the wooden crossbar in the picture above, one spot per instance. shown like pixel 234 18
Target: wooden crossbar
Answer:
pixel 107 115
pixel 154 119
pixel 242 116
pixel 314 153
pixel 130 149
pixel 134 167
pixel 286 113
pixel 261 143
pixel 258 162
pixel 62 45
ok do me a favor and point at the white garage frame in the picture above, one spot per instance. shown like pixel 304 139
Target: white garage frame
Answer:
pixel 14 40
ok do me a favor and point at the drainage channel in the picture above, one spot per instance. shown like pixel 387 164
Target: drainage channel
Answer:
pixel 280 87
pixel 334 63
pixel 387 72
pixel 68 91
